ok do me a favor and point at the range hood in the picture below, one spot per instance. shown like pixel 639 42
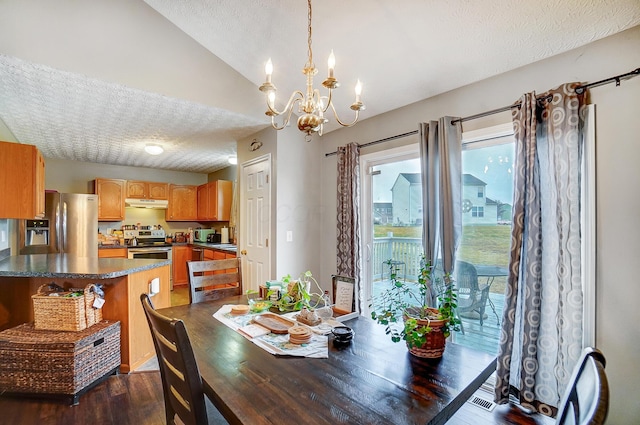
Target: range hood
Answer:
pixel 147 203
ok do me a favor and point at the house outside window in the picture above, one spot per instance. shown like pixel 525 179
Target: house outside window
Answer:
pixel 477 212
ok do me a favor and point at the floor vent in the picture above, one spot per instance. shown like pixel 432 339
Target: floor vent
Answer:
pixel 482 403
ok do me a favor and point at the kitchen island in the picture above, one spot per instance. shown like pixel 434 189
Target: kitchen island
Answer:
pixel 123 281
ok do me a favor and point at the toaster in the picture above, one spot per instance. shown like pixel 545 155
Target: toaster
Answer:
pixel 214 237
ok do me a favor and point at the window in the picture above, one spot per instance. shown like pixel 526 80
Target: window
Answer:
pixel 477 211
pixel 480 192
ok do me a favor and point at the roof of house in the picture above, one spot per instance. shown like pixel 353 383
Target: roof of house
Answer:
pixel 471 180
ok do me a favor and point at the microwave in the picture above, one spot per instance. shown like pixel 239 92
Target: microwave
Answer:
pixel 200 235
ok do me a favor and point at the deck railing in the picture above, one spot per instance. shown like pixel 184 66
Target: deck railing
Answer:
pixel 406 251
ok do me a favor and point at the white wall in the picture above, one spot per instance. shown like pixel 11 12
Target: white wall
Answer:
pixel 618 177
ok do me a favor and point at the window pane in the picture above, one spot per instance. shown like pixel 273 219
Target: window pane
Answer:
pixel 487 190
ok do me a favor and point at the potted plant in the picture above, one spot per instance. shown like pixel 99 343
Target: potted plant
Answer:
pixel 403 309
pixel 296 294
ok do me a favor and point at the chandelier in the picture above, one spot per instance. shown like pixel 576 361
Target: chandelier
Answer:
pixel 311 105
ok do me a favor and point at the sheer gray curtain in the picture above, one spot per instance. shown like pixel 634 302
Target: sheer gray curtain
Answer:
pixel 541 336
pixel 441 170
pixel 348 203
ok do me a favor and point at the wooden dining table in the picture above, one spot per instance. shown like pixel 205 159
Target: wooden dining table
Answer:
pixel 369 381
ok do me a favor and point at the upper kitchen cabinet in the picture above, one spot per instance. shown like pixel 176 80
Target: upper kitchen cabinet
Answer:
pixel 214 200
pixel 147 190
pixel 21 181
pixel 111 195
pixel 183 203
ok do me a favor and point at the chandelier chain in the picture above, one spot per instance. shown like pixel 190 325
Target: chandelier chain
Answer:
pixel 309 51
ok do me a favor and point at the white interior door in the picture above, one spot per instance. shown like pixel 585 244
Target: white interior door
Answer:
pixel 255 219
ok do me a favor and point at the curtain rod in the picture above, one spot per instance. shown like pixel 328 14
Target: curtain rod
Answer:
pixel 579 90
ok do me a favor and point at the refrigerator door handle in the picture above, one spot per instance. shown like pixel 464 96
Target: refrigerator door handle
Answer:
pixel 62 237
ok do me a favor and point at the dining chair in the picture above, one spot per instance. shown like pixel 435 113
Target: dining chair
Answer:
pixel 471 298
pixel 586 399
pixel 214 279
pixel 184 399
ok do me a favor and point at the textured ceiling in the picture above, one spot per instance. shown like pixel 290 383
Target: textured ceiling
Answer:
pixel 78 93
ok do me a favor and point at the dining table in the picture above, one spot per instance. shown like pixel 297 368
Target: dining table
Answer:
pixel 370 380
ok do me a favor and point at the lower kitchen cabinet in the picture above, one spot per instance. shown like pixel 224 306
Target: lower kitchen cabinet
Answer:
pixel 181 254
pixel 112 253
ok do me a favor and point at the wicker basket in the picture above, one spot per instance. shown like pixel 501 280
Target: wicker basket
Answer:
pixel 57 364
pixel 434 346
pixel 60 313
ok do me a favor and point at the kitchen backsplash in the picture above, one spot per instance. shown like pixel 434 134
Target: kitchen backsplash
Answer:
pixel 152 217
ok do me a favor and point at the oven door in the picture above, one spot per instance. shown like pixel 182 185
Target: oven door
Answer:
pixel 163 253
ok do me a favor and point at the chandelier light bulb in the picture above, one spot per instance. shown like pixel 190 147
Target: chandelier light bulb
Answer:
pixel 268 69
pixel 332 63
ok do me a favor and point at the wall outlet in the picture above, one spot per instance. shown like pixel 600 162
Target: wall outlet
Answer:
pixel 289 236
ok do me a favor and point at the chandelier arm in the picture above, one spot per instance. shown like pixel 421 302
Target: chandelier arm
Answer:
pixel 335 114
pixel 288 110
pixel 328 101
pixel 288 106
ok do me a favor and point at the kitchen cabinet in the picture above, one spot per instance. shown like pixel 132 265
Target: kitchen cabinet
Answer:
pixel 214 200
pixel 21 181
pixel 111 195
pixel 147 190
pixel 183 201
pixel 112 253
pixel 181 254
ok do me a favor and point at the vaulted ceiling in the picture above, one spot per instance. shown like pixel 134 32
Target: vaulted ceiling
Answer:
pixel 95 81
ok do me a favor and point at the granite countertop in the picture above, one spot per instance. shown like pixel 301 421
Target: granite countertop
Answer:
pixel 71 267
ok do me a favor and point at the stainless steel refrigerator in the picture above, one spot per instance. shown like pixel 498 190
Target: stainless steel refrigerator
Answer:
pixel 70 226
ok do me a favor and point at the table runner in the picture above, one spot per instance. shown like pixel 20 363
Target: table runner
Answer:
pixel 277 344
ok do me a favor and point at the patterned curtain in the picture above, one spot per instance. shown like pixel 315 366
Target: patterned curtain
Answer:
pixel 541 335
pixel 348 255
pixel 441 170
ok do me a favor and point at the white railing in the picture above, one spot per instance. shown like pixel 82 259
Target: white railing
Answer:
pixel 405 251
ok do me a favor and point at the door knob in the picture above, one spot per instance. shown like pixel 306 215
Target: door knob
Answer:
pixel 243 252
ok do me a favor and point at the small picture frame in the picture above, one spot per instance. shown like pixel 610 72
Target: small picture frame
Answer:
pixel 344 295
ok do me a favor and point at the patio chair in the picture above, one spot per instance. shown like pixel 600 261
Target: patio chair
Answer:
pixel 471 298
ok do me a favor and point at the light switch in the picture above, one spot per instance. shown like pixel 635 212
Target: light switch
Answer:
pixel 289 236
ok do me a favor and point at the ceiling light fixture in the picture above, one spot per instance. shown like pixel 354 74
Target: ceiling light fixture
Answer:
pixel 311 105
pixel 233 159
pixel 152 149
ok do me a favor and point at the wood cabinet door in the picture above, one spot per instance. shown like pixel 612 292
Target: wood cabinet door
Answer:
pixel 181 254
pixel 224 194
pixel 136 189
pixel 110 199
pixel 183 203
pixel 203 202
pixel 112 253
pixel 158 190
pixel 21 181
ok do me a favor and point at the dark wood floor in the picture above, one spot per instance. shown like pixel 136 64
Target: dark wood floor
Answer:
pixel 136 399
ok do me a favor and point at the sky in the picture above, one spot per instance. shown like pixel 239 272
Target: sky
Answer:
pixel 493 165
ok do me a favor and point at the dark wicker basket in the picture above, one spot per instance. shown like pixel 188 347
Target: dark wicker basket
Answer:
pixel 434 346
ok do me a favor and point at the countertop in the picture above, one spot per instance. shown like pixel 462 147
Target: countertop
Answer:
pixel 71 267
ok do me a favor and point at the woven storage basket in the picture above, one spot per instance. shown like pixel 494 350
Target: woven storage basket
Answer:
pixel 60 313
pixel 54 363
pixel 434 346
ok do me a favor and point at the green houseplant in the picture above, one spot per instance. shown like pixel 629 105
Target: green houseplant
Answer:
pixel 296 294
pixel 403 309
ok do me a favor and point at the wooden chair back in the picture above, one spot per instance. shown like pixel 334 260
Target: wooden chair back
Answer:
pixel 214 279
pixel 586 400
pixel 181 381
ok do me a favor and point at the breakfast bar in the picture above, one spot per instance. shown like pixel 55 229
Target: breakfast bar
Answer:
pixel 123 281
